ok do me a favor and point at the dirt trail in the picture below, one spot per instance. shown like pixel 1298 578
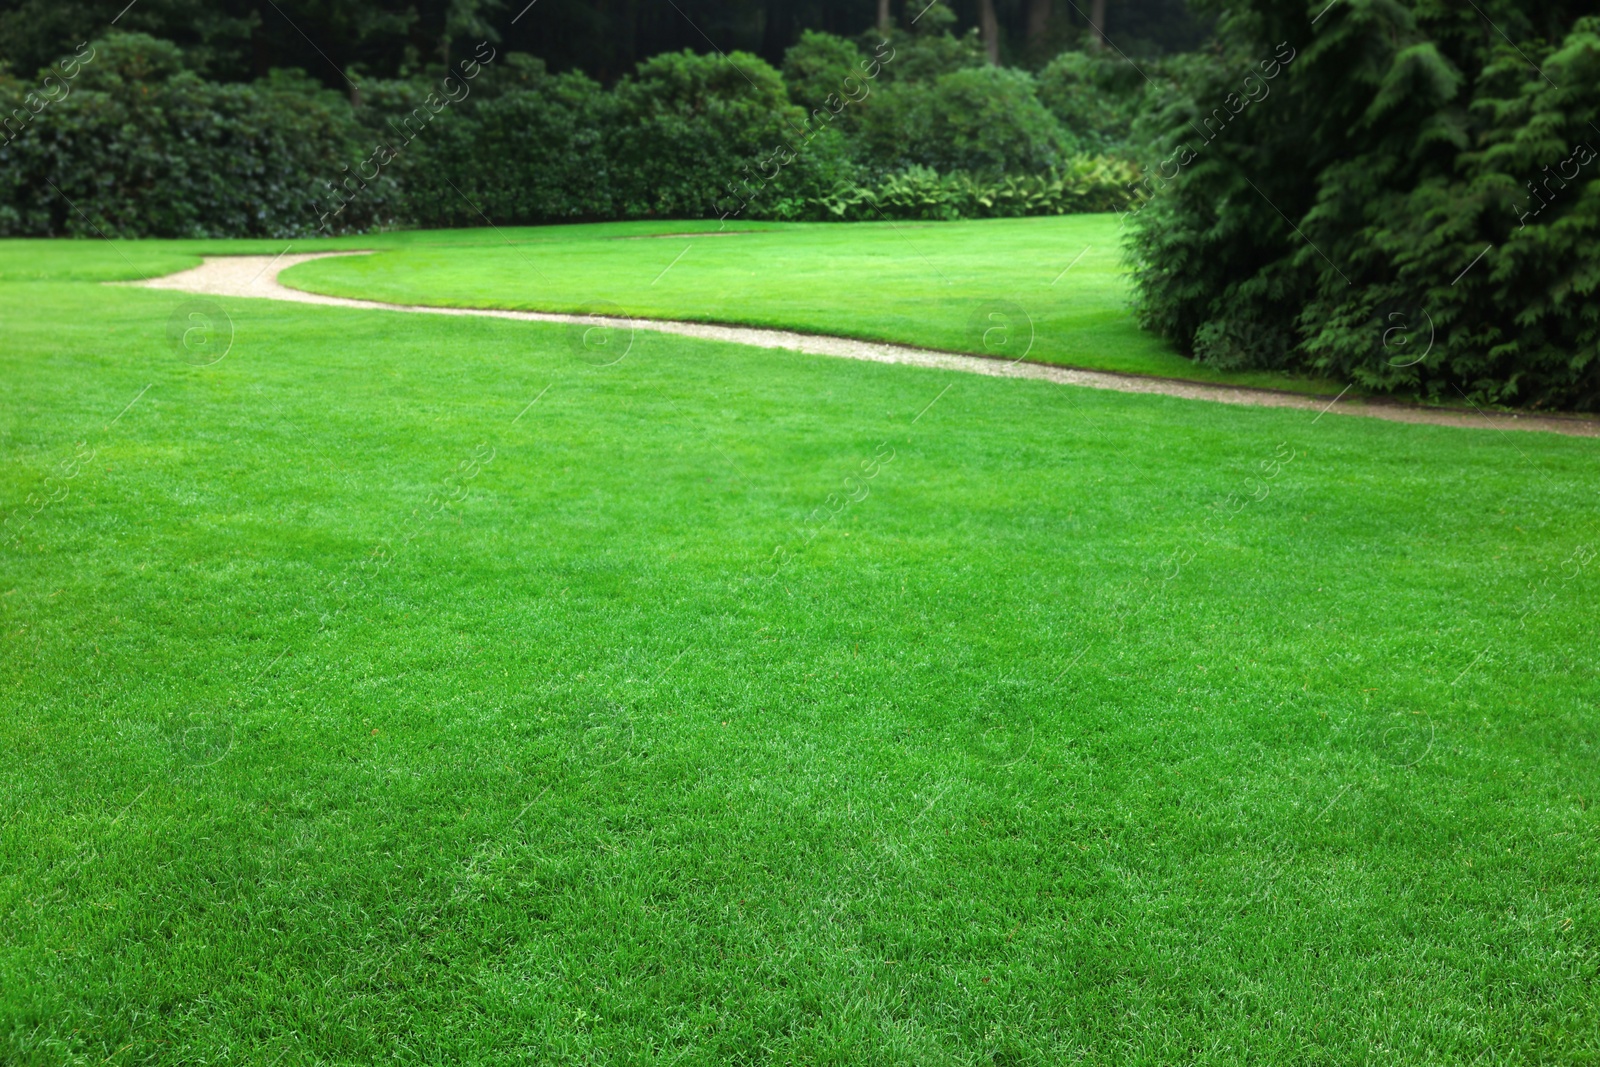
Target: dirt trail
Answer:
pixel 257 276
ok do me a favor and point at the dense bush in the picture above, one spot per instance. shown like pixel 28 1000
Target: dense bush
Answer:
pixel 980 118
pixel 1411 204
pixel 821 162
pixel 527 146
pixel 927 49
pixel 689 136
pixel 819 66
pixel 908 125
pixel 136 146
pixel 689 126
pixel 1095 97
pixel 1087 184
pixel 1108 104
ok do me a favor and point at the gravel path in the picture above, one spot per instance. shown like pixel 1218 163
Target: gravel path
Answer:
pixel 257 276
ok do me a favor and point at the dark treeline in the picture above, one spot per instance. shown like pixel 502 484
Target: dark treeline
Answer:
pixel 339 42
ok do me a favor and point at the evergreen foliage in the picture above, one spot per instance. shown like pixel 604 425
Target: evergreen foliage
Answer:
pixel 1411 205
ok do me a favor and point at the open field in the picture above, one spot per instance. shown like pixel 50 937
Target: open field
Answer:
pixel 425 688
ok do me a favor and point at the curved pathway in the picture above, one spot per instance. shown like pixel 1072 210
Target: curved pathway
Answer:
pixel 257 276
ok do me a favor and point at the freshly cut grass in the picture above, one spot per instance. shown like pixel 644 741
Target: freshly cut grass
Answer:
pixel 1051 289
pixel 414 688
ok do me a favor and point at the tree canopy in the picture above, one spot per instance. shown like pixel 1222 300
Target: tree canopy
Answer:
pixel 336 40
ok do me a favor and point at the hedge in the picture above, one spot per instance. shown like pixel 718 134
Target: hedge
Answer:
pixel 139 146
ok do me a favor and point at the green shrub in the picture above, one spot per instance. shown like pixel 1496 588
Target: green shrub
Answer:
pixel 820 163
pixel 1521 324
pixel 927 49
pixel 818 65
pixel 143 148
pixel 691 131
pixel 1095 97
pixel 1375 197
pixel 980 118
pixel 1109 105
pixel 688 137
pixel 1084 184
pixel 526 147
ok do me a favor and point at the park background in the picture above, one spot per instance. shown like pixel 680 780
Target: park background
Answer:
pixel 445 643
pixel 1298 187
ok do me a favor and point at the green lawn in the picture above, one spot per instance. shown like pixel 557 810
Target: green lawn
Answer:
pixel 412 688
pixel 932 284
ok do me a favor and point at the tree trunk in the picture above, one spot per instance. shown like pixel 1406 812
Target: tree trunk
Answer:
pixel 884 21
pixel 989 26
pixel 1097 23
pixel 778 23
pixel 1038 18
